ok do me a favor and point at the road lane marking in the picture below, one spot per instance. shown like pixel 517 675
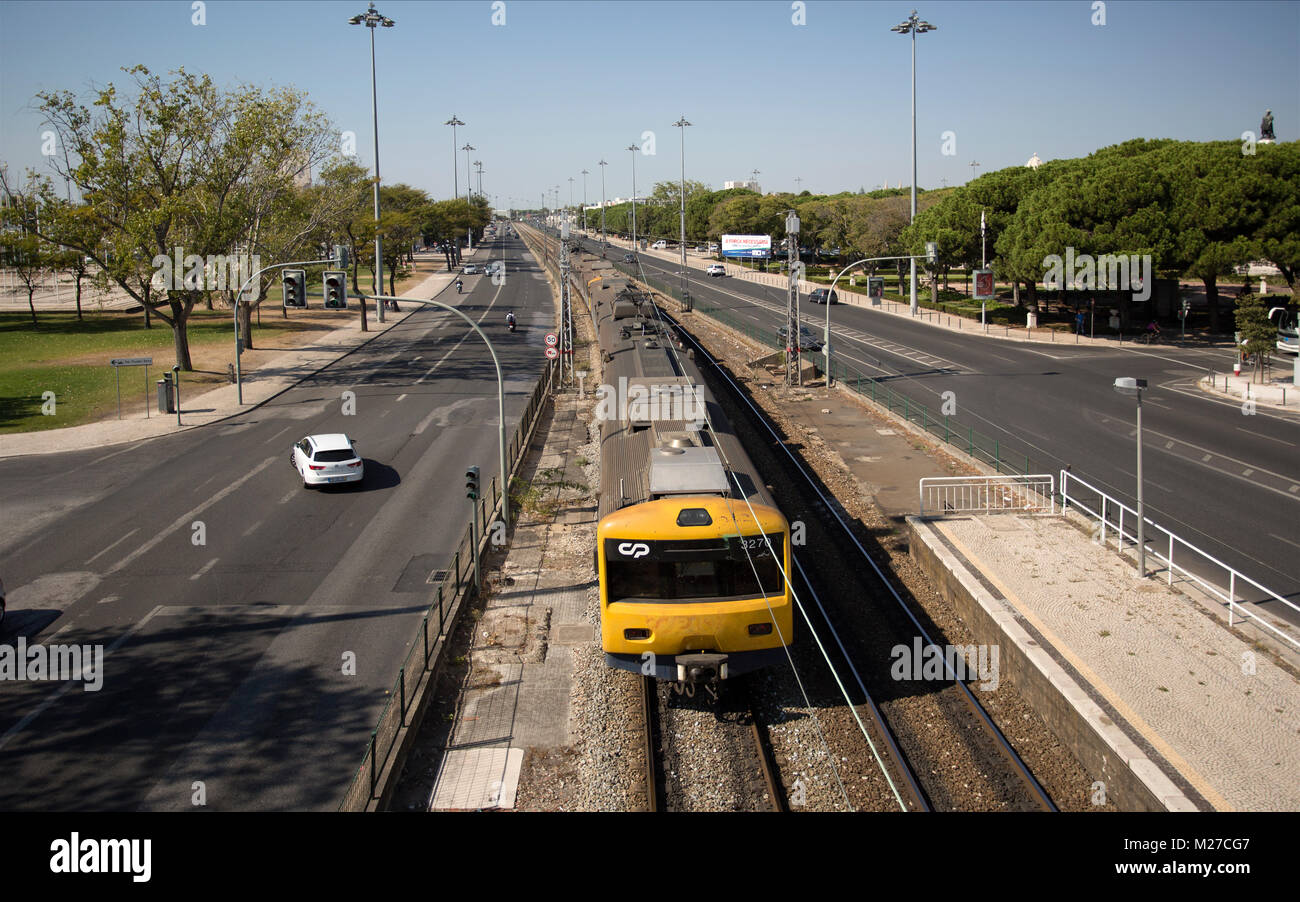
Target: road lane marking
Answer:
pixel 114 454
pixel 114 545
pixel 1288 541
pixel 22 724
pixel 1280 441
pixel 401 396
pixel 289 496
pixel 205 568
pixel 188 517
pixel 250 529
pixel 1247 472
pixel 277 435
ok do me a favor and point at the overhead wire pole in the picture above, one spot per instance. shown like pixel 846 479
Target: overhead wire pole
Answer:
pixel 566 310
pixel 372 20
pixel 604 241
pixel 792 336
pixel 686 298
pixel 913 26
pixel 584 201
pixel 468 190
pixel 634 149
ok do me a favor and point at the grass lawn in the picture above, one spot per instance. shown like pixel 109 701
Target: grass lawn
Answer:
pixel 70 358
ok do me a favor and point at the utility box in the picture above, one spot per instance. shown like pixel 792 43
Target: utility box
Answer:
pixel 166 395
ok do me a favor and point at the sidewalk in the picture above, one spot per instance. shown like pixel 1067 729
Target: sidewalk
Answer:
pixel 279 374
pixel 1154 694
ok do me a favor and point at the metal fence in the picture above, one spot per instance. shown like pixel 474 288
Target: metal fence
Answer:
pixel 986 494
pixel 1113 516
pixel 455 585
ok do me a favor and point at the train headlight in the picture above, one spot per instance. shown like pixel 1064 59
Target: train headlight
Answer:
pixel 694 516
pixel 760 629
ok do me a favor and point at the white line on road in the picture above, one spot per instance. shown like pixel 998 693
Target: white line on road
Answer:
pixel 289 496
pixel 1280 441
pixel 114 545
pixel 401 396
pixel 22 724
pixel 1280 539
pixel 249 531
pixel 277 435
pixel 188 517
pixel 205 568
pixel 114 454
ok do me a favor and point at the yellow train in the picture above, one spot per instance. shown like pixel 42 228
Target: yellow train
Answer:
pixel 691 551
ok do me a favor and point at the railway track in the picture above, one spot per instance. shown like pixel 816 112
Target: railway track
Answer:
pixel 729 723
pixel 821 510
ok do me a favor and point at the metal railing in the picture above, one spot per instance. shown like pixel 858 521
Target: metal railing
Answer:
pixel 457 584
pixel 1112 515
pixel 986 494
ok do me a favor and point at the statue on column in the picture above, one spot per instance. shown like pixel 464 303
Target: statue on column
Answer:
pixel 1266 127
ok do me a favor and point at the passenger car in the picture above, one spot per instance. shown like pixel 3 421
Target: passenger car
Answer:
pixel 807 341
pixel 327 459
pixel 470 270
pixel 660 245
pixel 717 269
pixel 818 296
pixel 629 258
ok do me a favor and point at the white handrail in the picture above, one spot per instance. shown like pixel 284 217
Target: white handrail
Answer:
pixel 1234 576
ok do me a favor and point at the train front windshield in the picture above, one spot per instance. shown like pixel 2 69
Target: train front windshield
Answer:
pixel 731 567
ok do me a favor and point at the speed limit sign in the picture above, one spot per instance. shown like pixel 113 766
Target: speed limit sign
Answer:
pixel 552 353
pixel 552 339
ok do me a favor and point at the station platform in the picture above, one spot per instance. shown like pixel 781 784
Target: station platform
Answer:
pixel 1168 706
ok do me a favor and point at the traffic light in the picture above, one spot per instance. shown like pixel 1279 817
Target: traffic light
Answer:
pixel 471 483
pixel 336 290
pixel 342 256
pixel 295 288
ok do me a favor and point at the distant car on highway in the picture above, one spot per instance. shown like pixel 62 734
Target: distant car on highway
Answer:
pixel 629 258
pixel 470 270
pixel 327 459
pixel 660 245
pixel 717 269
pixel 818 296
pixel 807 341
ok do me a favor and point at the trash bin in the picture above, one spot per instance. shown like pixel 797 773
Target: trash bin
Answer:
pixel 166 398
pixel 1031 320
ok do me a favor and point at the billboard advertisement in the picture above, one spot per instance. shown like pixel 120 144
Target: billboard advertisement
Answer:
pixel 747 246
pixel 983 284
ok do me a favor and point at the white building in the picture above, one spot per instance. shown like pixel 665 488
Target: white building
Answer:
pixel 747 183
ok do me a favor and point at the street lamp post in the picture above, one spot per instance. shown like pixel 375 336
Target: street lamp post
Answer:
pixel 634 149
pixel 604 242
pixel 913 26
pixel 683 124
pixel 974 169
pixel 501 403
pixel 372 19
pixel 1127 385
pixel 478 169
pixel 455 177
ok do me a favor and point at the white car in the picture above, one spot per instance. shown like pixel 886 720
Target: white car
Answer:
pixel 660 245
pixel 470 270
pixel 717 269
pixel 327 459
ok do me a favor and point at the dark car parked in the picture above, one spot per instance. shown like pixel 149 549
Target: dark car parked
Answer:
pixel 818 296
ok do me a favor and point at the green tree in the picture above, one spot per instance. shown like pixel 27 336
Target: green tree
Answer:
pixel 1258 334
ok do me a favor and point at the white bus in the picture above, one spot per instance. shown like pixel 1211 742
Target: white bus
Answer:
pixel 1288 336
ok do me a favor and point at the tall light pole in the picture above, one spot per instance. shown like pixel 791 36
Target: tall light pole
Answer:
pixel 913 26
pixel 603 241
pixel 584 200
pixel 755 173
pixel 683 124
pixel 468 148
pixel 478 168
pixel 570 192
pixel 634 149
pixel 1127 385
pixel 974 169
pixel 372 20
pixel 455 178
pixel 797 183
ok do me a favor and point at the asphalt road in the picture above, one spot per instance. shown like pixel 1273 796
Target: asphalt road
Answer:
pixel 224 659
pixel 1224 481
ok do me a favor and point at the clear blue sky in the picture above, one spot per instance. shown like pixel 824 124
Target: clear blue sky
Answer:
pixel 562 84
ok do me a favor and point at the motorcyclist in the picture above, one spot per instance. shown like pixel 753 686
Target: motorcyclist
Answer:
pixel 459 285
pixel 510 320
